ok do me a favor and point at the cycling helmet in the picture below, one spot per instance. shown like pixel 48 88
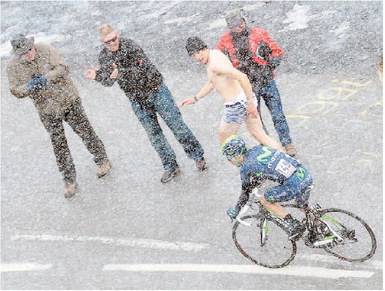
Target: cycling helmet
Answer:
pixel 233 146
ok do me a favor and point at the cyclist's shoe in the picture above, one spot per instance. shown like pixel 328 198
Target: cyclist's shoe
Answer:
pixel 293 227
pixel 169 175
pixel 232 213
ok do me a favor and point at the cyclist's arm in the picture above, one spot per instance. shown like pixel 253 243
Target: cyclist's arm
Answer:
pixel 249 182
pixel 247 187
pixel 243 198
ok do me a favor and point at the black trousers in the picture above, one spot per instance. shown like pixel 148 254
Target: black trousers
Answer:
pixel 78 121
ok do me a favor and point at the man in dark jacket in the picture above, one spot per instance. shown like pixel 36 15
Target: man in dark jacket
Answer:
pixel 124 62
pixel 38 71
pixel 253 52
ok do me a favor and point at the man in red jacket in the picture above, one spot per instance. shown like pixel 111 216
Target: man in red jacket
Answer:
pixel 253 52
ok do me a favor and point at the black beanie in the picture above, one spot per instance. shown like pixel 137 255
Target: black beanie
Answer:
pixel 194 44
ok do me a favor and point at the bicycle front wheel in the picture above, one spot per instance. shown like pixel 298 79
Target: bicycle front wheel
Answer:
pixel 356 242
pixel 271 249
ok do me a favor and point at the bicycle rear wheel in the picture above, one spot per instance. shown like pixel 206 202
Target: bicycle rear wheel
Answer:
pixel 358 242
pixel 277 251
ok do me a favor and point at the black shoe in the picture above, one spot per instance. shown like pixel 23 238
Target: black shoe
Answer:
pixel 201 165
pixel 293 228
pixel 169 175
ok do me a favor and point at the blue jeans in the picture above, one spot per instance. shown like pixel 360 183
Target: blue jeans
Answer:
pixel 162 102
pixel 272 99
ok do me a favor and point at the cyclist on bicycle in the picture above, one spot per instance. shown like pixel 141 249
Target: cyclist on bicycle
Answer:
pixel 262 163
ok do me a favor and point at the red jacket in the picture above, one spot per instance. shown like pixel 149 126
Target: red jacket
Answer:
pixel 256 36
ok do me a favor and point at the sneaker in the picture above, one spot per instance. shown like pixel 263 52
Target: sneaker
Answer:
pixel 169 175
pixel 293 227
pixel 201 165
pixel 290 150
pixel 69 189
pixel 103 169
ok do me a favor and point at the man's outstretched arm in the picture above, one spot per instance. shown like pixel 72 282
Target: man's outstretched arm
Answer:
pixel 106 74
pixel 204 91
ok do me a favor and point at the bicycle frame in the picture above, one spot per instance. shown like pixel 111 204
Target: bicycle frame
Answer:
pixel 312 220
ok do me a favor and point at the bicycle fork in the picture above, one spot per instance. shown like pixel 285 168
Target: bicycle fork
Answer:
pixel 263 230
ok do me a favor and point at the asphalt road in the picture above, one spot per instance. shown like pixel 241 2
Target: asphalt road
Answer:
pixel 128 231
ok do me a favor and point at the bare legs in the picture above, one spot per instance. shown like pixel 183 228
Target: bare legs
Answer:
pixel 226 130
pixel 254 125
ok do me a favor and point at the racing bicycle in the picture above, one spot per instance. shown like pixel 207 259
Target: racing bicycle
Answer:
pixel 261 238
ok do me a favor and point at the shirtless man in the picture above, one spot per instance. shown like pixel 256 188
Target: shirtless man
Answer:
pixel 234 87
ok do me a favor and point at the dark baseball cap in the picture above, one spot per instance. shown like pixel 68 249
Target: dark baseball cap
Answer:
pixel 21 44
pixel 234 18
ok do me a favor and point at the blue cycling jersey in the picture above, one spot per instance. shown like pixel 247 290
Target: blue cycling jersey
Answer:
pixel 263 163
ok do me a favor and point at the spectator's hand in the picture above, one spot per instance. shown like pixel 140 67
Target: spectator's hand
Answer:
pixel 263 51
pixel 41 81
pixel 90 74
pixel 251 109
pixel 115 72
pixel 31 85
pixel 188 101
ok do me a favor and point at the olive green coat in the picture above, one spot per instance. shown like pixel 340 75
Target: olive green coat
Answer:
pixel 60 92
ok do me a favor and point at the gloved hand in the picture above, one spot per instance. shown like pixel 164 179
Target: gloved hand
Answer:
pixel 232 213
pixel 37 82
pixel 263 51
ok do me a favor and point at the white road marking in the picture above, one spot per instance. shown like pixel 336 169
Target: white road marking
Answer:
pixel 129 242
pixel 330 259
pixel 184 246
pixel 249 269
pixel 23 267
